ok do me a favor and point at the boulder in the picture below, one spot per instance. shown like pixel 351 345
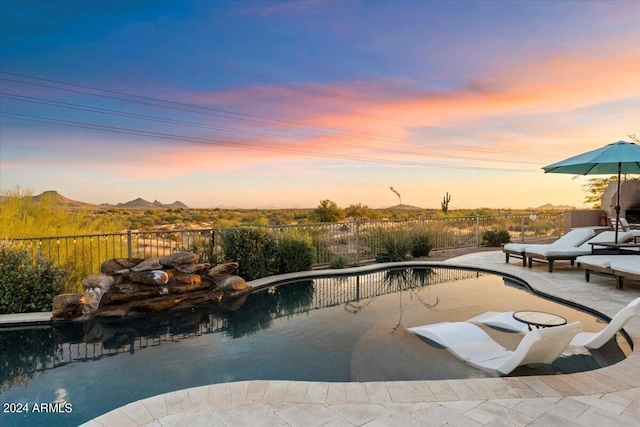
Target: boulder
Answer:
pixel 156 305
pixel 126 292
pixel 192 268
pixel 148 265
pixel 153 277
pixel 182 283
pixel 179 258
pixel 221 271
pixel 99 283
pixel 118 265
pixel 73 306
pixel 233 283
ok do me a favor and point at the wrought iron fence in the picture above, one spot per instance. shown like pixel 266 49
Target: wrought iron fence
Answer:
pixel 357 241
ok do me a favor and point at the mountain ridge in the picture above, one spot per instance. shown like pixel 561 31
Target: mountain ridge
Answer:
pixel 138 203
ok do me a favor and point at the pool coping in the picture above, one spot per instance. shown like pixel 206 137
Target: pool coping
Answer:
pixel 607 395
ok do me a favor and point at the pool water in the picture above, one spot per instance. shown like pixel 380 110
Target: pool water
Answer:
pixel 329 329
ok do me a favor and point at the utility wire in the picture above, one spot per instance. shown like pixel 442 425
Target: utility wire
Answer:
pixel 78 107
pixel 227 113
pixel 215 142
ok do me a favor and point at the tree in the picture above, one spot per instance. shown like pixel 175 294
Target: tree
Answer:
pixel 327 211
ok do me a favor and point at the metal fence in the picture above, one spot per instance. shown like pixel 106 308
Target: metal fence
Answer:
pixel 356 241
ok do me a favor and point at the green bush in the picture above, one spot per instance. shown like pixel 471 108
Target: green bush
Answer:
pixel 338 261
pixel 295 253
pixel 421 244
pixel 255 249
pixel 396 244
pixel 495 237
pixel 27 285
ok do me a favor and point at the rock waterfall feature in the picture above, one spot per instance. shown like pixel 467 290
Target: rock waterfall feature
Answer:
pixel 128 286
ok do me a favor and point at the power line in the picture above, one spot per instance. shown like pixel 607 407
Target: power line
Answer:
pixel 147 117
pixel 165 136
pixel 230 114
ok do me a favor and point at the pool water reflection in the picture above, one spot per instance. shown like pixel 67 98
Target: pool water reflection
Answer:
pixel 350 328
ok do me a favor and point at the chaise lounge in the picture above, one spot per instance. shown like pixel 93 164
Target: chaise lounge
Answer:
pixel 598 264
pixel 552 254
pixel 473 345
pixel 591 340
pixel 573 238
pixel 629 268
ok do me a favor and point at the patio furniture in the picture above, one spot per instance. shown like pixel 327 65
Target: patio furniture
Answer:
pixel 627 268
pixel 625 226
pixel 470 343
pixel 539 319
pixel 596 264
pixel 500 320
pixel 592 340
pixel 573 238
pixel 595 340
pixel 552 254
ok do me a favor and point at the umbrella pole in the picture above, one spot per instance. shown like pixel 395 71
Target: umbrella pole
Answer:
pixel 618 202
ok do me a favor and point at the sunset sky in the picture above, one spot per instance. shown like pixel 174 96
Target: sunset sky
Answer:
pixel 264 104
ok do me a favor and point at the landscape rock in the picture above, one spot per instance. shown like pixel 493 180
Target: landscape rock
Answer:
pixel 118 265
pixel 72 306
pixel 233 283
pixel 157 304
pixel 179 258
pixel 133 285
pixel 192 268
pixel 148 265
pixel 97 283
pixel 221 271
pixel 154 277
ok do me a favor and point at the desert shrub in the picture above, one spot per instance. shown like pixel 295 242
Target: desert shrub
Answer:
pixel 396 244
pixel 255 249
pixel 338 261
pixel 295 253
pixel 27 284
pixel 421 244
pixel 495 237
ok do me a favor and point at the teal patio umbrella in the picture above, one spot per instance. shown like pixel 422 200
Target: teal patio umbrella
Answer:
pixel 616 158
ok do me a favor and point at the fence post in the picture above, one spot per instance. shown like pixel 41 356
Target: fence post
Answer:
pixel 478 230
pixel 357 242
pixel 522 229
pixel 129 251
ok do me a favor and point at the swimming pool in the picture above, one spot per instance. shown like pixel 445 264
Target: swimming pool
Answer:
pixel 325 329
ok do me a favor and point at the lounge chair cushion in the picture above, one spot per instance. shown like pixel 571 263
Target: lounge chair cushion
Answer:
pixel 572 238
pixel 583 249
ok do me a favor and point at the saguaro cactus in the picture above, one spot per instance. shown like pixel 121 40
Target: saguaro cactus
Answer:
pixel 445 203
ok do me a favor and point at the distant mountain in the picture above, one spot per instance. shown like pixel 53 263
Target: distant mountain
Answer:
pixel 549 206
pixel 133 204
pixel 140 203
pixel 63 201
pixel 403 207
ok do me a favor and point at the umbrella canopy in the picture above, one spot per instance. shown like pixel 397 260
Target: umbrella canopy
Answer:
pixel 616 158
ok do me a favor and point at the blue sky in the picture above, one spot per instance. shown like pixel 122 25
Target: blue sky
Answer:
pixel 283 104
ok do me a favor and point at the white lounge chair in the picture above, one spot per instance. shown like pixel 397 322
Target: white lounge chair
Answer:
pixel 592 340
pixel 625 226
pixel 595 340
pixel 470 343
pixel 573 238
pixel 598 264
pixel 551 254
pixel 627 268
pixel 500 320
